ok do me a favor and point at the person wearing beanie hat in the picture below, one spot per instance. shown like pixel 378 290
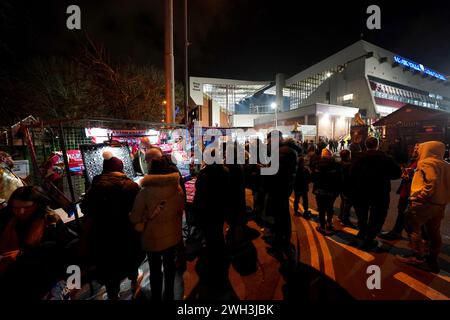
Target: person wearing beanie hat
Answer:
pixel 111 163
pixel 114 244
pixel 327 186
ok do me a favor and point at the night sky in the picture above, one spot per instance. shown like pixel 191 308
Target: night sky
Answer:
pixel 242 39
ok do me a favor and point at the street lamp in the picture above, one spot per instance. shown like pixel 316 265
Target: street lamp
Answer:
pixel 274 106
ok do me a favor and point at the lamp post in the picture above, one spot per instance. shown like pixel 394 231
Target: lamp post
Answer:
pixel 169 63
pixel 274 106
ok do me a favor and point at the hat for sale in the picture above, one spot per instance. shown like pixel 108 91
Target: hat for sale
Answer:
pixel 326 153
pixel 111 163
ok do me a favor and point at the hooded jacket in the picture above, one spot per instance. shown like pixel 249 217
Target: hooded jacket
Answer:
pixel 431 181
pixel 160 205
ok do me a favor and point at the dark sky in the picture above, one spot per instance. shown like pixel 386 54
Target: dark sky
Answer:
pixel 244 39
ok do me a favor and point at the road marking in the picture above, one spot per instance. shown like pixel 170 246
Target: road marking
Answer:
pixel 361 254
pixel 349 230
pixel 443 277
pixel 420 287
pixel 443 256
pixel 312 246
pixel 327 259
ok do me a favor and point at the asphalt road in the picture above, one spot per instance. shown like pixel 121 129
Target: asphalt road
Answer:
pixel 346 265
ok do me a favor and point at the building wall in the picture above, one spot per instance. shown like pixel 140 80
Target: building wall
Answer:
pixel 204 113
pixel 215 113
pixel 351 81
pixel 361 60
pixel 245 120
pixel 404 76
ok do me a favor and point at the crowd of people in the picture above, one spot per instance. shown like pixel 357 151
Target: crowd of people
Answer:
pixel 125 221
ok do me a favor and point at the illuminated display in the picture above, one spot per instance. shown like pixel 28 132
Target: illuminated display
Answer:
pixel 419 67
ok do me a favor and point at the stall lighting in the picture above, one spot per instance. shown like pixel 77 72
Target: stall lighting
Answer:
pixel 96 132
pixel 348 97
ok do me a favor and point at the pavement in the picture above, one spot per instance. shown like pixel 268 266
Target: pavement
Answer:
pixel 327 268
pixel 345 264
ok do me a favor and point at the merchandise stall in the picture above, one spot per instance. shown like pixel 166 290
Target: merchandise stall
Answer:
pixel 136 142
pixel 66 154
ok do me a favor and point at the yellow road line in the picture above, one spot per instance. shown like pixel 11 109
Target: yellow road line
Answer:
pixel 312 246
pixel 361 254
pixel 327 259
pixel 420 287
pixel 444 257
pixel 350 230
pixel 443 277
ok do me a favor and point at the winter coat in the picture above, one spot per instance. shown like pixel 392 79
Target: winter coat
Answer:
pixel 212 195
pixel 302 179
pixel 327 178
pixel 346 180
pixel 237 200
pixel 160 205
pixel 45 254
pixel 431 181
pixel 281 184
pixel 111 238
pixel 273 195
pixel 371 176
pixel 44 233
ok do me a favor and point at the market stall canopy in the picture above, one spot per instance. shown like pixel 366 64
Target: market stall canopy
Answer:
pixel 411 114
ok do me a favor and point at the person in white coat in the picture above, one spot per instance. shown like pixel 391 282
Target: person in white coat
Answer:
pixel 157 212
pixel 430 193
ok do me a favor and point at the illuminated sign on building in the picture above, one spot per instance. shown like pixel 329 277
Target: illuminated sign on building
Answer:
pixel 419 67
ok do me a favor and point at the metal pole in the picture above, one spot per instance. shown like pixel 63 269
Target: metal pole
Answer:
pixel 169 64
pixel 66 162
pixel 276 117
pixel 69 177
pixel 186 61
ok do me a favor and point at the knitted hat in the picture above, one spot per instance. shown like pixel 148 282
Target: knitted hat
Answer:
pixel 326 153
pixel 111 163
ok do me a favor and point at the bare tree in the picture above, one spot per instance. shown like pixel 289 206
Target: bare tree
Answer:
pixel 86 86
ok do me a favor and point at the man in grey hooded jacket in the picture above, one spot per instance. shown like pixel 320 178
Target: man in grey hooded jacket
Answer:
pixel 430 193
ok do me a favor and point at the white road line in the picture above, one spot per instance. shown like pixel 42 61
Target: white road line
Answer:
pixel 420 287
pixel 327 259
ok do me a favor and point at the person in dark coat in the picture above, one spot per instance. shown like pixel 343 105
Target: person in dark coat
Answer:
pixel 115 245
pixel 211 208
pixel 34 244
pixel 301 188
pixel 371 175
pixel 403 191
pixel 252 174
pixel 238 208
pixel 342 143
pixel 346 194
pixel 305 146
pixel 327 186
pixel 278 189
